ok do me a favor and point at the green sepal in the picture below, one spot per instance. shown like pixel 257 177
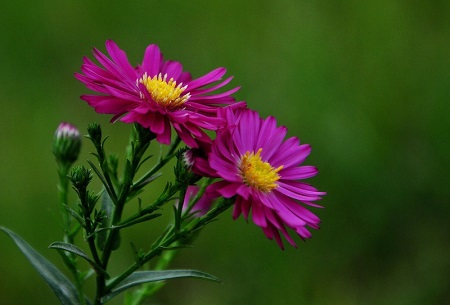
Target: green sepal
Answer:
pixel 141 277
pixel 64 290
pixel 77 251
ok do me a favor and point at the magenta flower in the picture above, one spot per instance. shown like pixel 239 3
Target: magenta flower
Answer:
pixel 157 94
pixel 263 172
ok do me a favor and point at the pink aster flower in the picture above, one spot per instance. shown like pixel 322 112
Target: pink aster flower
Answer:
pixel 263 172
pixel 157 94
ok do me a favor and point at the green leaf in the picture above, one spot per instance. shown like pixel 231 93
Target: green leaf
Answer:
pixel 141 277
pixel 77 251
pixel 63 289
pixel 76 216
pixel 139 185
pixel 102 178
pixel 137 220
pixel 107 205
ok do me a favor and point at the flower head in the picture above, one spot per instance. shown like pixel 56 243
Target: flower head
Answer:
pixel 157 94
pixel 263 172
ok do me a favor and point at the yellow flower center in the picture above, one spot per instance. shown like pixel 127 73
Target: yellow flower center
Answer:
pixel 166 93
pixel 257 173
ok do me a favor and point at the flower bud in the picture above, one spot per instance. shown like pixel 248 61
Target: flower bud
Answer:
pixel 80 177
pixel 196 159
pixel 66 144
pixel 95 133
pixel 183 170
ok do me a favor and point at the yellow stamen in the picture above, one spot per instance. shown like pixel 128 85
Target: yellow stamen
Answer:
pixel 257 173
pixel 166 93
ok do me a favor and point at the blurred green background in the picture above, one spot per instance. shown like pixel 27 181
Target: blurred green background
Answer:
pixel 366 83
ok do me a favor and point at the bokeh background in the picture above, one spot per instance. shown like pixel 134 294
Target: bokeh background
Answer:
pixel 366 83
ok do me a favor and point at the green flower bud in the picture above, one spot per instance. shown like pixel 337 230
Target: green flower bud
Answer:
pixel 95 133
pixel 183 169
pixel 66 144
pixel 80 177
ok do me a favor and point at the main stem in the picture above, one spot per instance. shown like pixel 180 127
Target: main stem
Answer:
pixel 138 146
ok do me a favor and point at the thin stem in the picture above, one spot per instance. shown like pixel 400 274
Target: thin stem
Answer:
pixel 71 265
pixel 68 258
pixel 172 237
pixel 63 187
pixel 179 209
pixel 161 162
pixel 138 149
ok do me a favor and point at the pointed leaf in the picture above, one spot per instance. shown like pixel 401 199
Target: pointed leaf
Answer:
pixel 138 220
pixel 77 251
pixel 139 185
pixel 63 289
pixel 76 216
pixel 108 206
pixel 102 178
pixel 141 277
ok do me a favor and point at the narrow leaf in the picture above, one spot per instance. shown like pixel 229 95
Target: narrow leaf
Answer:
pixel 100 176
pixel 77 251
pixel 139 185
pixel 141 277
pixel 138 220
pixel 106 205
pixel 63 289
pixel 126 224
pixel 76 216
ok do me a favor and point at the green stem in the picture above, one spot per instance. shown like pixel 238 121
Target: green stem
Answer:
pixel 68 258
pixel 71 265
pixel 161 162
pixel 63 187
pixel 179 209
pixel 172 237
pixel 139 147
pixel 163 198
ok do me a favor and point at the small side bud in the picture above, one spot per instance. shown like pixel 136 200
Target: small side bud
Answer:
pixel 197 160
pixel 95 133
pixel 66 144
pixel 80 177
pixel 183 169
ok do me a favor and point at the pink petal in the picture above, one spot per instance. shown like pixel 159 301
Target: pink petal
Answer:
pixel 152 60
pixel 212 76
